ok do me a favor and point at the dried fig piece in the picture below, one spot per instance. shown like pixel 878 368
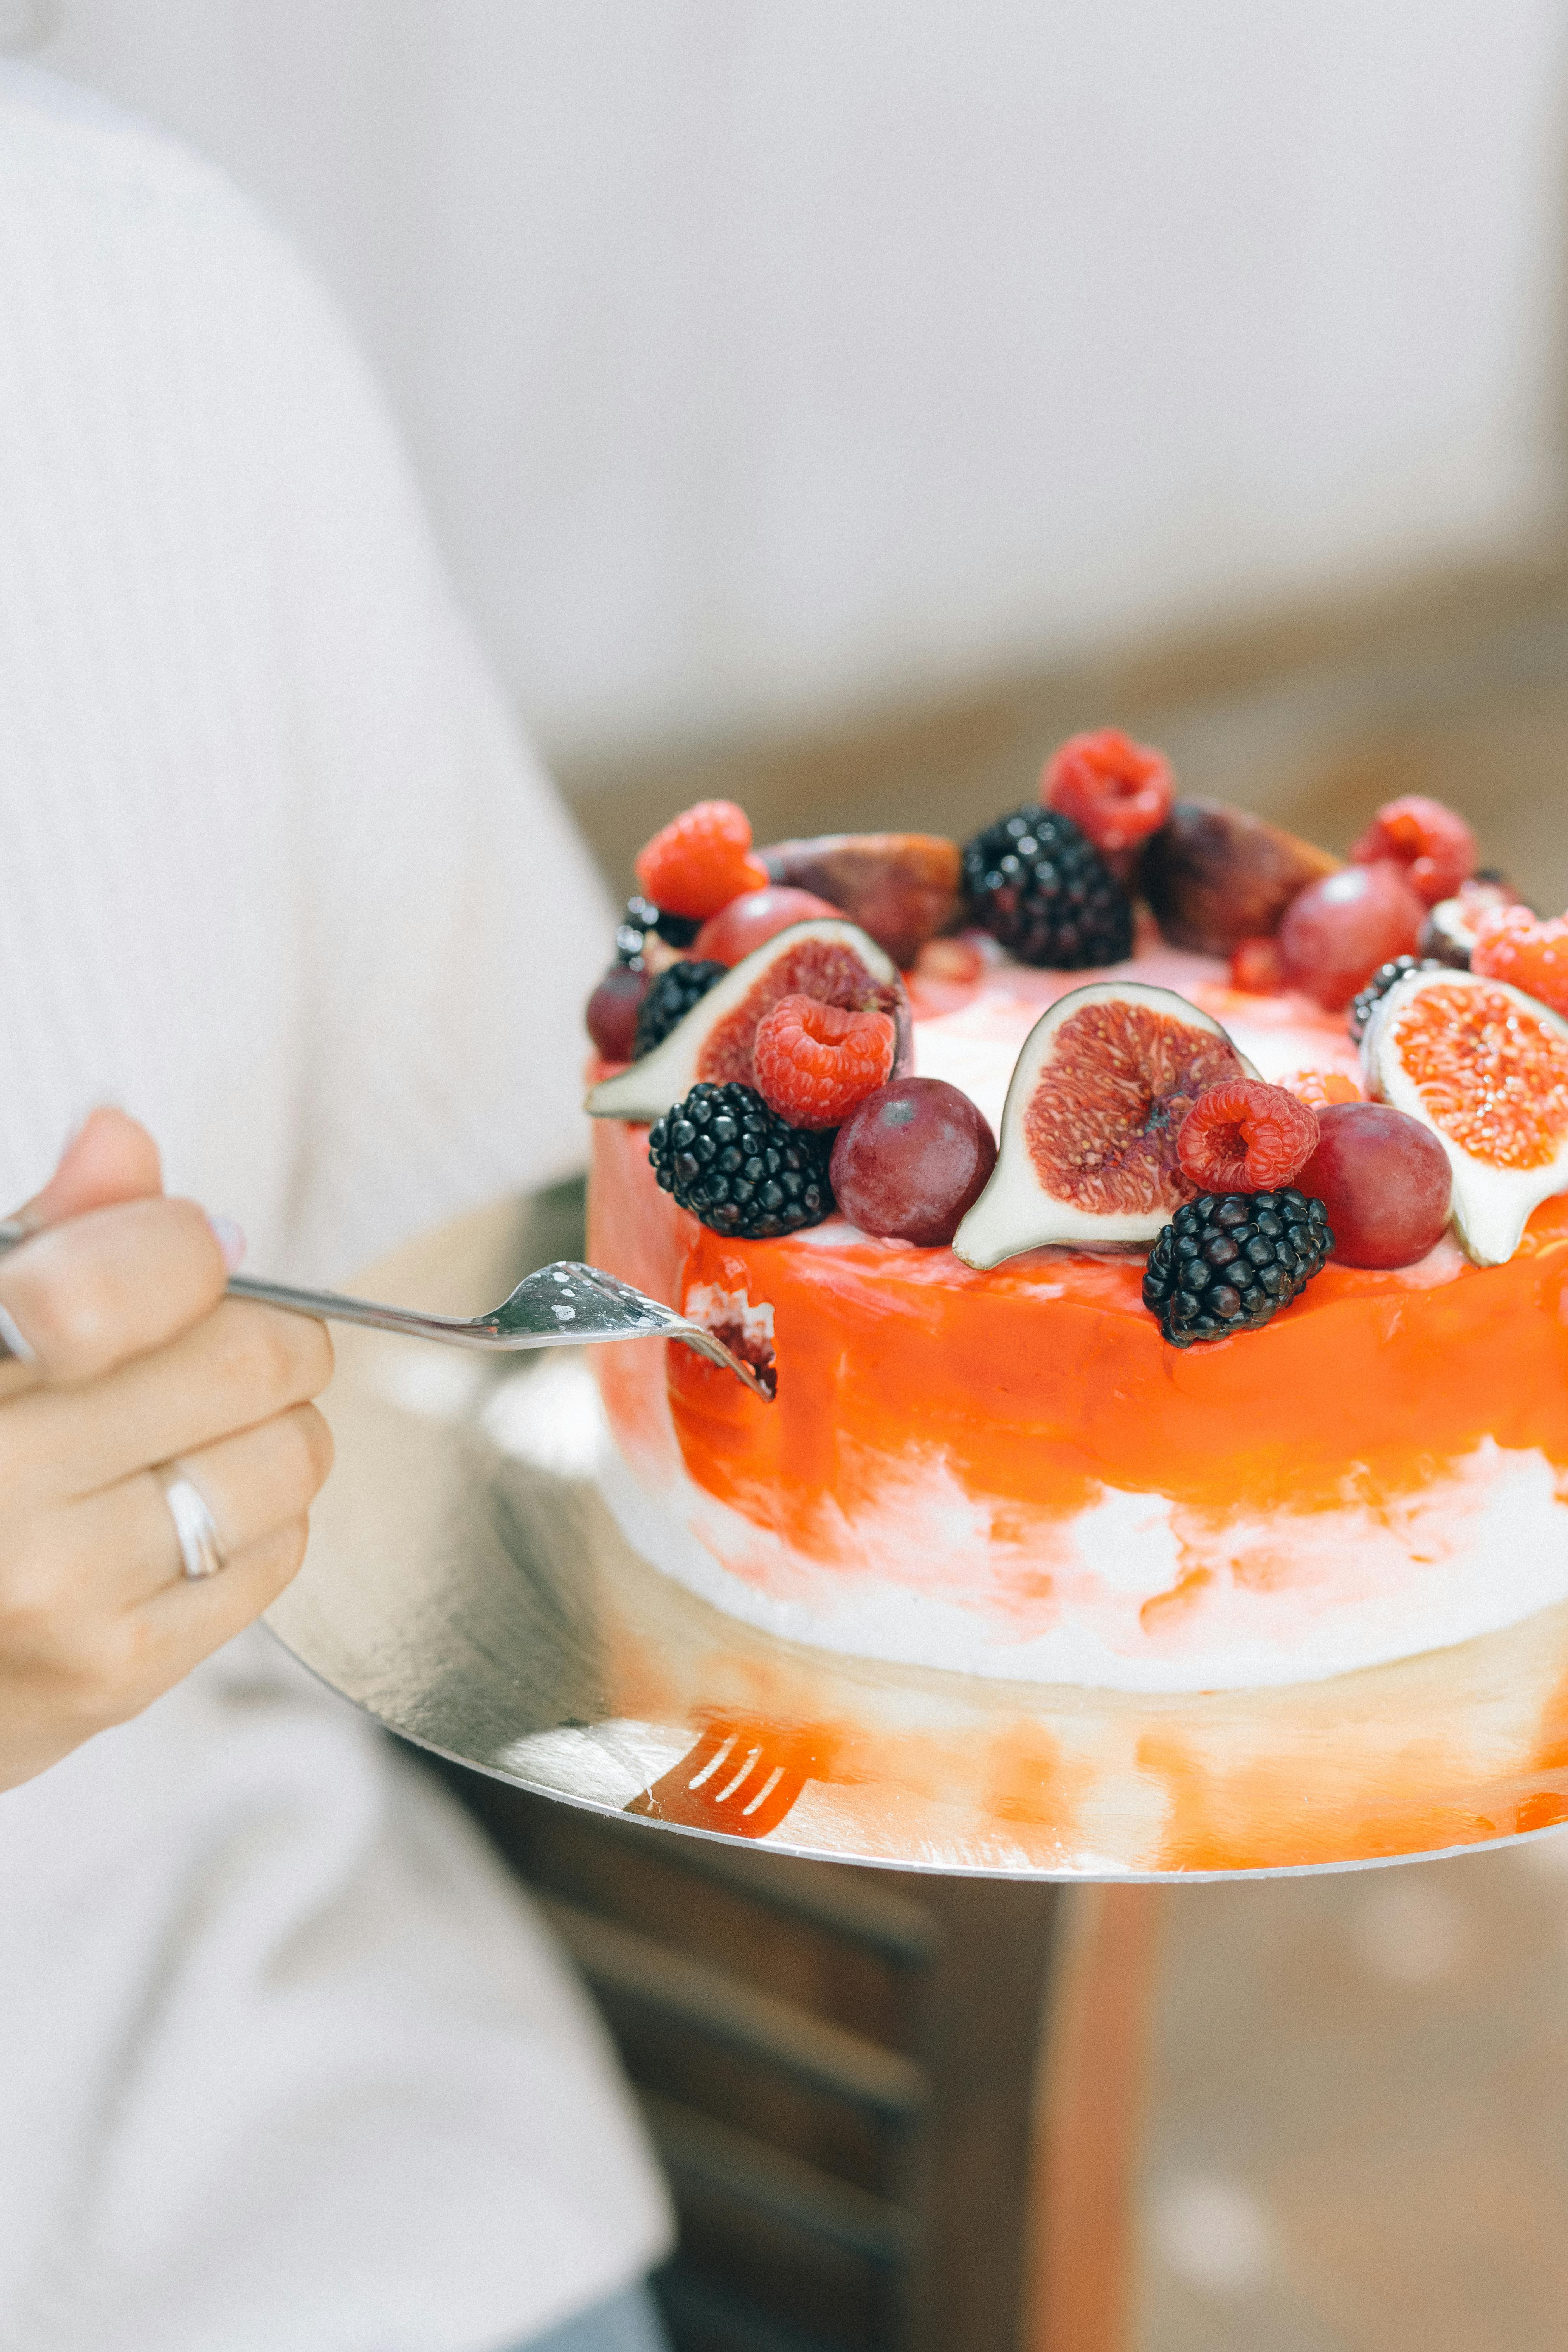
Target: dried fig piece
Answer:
pixel 1215 876
pixel 902 888
pixel 1449 932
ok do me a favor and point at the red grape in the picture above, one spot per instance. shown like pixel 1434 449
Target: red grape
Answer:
pixel 1384 1181
pixel 1336 932
pixel 911 1160
pixel 611 1014
pixel 756 917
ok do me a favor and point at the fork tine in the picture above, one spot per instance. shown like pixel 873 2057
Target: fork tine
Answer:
pixel 701 1792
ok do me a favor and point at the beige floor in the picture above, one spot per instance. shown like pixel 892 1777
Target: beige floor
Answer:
pixel 1359 2127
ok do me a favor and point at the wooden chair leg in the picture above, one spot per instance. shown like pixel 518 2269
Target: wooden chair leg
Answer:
pixel 1088 2121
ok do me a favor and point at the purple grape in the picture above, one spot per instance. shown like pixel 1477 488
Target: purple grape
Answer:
pixel 910 1159
pixel 611 1012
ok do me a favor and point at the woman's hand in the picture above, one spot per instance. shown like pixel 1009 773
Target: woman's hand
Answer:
pixel 135 1358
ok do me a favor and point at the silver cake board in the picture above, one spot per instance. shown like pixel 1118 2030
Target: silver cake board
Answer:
pixel 467 1586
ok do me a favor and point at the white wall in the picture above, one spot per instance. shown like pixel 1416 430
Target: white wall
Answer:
pixel 762 355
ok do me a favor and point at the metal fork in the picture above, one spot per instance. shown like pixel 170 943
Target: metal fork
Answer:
pixel 560 1306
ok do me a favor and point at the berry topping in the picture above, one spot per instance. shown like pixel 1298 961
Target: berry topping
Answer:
pixel 1215 876
pixel 1436 849
pixel 671 999
pixel 1510 943
pixel 1378 986
pixel 1255 967
pixel 910 1159
pixel 755 917
pixel 815 1063
pixel 613 1008
pixel 1246 1136
pixel 738 1167
pixel 702 861
pixel 902 888
pixel 1320 1087
pixel 1384 1181
pixel 1227 1262
pixel 1336 932
pixel 1038 884
pixel 1118 791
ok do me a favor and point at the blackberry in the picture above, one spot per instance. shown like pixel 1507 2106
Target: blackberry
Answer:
pixel 669 1000
pixel 1227 1260
pixel 642 917
pixel 1038 884
pixel 738 1166
pixel 1378 986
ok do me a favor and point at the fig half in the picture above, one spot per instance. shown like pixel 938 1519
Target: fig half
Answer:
pixel 903 887
pixel 1484 1067
pixel 836 962
pixel 1088 1133
pixel 1215 876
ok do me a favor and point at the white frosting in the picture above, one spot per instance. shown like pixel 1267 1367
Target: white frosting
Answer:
pixel 1289 1598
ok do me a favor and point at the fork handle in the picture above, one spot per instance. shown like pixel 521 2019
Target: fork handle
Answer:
pixel 327 1305
pixel 333 1307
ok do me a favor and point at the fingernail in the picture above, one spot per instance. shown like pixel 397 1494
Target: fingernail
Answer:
pixel 82 1118
pixel 230 1239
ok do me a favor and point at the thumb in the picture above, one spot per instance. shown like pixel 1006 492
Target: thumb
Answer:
pixel 111 1158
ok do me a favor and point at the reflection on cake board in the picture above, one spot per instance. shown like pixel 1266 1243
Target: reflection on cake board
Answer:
pixel 468 1587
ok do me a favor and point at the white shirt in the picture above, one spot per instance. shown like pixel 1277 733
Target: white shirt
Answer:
pixel 285 2062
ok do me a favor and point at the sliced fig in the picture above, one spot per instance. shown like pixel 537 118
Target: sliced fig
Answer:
pixel 1485 1068
pixel 1088 1133
pixel 834 961
pixel 1215 876
pixel 1449 931
pixel 903 887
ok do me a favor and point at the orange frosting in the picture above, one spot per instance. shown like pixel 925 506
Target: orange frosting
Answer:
pixel 1046 1380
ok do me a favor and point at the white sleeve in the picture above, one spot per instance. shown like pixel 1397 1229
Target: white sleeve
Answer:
pixel 452 922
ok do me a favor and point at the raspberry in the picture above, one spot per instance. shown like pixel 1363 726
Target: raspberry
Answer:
pixel 1255 967
pixel 1244 1137
pixel 1436 848
pixel 1513 944
pixel 701 860
pixel 1319 1088
pixel 815 1063
pixel 1118 791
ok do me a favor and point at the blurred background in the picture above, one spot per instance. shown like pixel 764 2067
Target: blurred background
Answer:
pixel 833 406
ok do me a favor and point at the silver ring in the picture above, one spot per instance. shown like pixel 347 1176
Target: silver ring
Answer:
pixel 195 1530
pixel 13 1231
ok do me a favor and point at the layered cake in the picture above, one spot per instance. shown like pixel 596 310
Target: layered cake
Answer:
pixel 1244 1357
